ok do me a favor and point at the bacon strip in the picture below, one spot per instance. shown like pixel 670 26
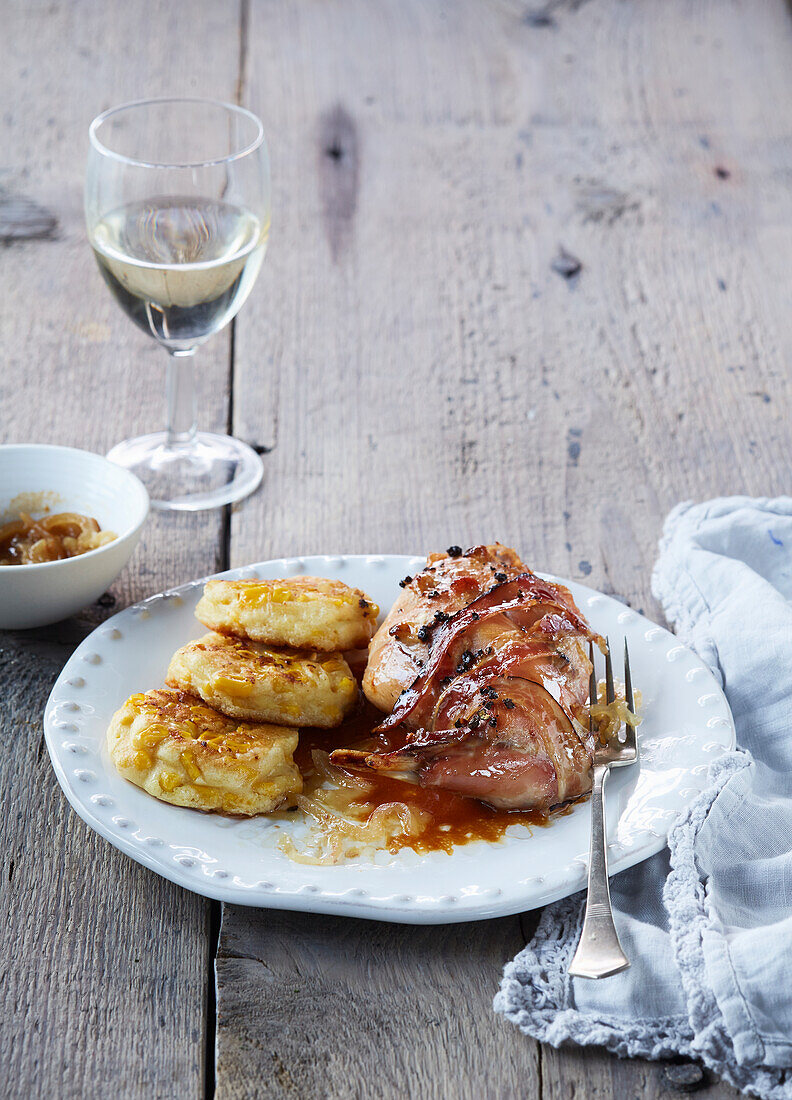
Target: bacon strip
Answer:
pixel 526 602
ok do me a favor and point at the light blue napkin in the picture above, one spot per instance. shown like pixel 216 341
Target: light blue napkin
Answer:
pixel 708 923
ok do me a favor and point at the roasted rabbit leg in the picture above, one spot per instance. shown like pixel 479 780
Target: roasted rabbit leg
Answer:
pixel 493 711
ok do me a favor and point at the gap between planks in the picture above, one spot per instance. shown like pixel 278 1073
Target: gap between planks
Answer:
pixel 215 915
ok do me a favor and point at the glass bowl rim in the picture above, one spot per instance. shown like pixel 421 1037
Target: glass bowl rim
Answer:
pixel 234 108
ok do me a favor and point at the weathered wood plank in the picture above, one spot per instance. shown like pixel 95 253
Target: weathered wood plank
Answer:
pixel 105 966
pixel 426 374
pixel 592 1073
pixel 316 1006
pixel 320 372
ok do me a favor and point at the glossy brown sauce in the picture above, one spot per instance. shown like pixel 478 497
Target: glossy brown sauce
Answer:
pixel 453 819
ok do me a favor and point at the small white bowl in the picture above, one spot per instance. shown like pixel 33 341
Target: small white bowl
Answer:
pixel 66 480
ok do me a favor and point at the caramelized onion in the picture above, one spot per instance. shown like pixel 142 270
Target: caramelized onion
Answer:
pixel 28 541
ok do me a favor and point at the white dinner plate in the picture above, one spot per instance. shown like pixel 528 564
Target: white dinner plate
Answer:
pixel 687 724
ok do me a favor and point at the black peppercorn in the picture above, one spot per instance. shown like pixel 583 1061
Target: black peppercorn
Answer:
pixel 466 661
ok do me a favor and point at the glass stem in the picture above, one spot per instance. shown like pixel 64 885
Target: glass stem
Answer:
pixel 182 411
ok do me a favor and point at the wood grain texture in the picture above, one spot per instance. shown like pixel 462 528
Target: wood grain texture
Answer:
pixel 522 284
pixel 319 1006
pixel 412 311
pixel 104 966
pixel 590 1073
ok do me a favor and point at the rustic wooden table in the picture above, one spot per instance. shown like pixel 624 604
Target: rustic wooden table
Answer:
pixel 528 279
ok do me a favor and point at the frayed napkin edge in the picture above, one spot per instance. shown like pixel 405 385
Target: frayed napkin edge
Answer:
pixel 685 901
pixel 541 967
pixel 536 990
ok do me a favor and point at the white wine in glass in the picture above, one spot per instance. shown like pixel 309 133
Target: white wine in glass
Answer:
pixel 177 206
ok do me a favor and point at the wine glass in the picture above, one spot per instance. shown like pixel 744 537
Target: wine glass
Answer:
pixel 177 203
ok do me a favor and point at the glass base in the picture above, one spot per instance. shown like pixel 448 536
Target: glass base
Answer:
pixel 206 472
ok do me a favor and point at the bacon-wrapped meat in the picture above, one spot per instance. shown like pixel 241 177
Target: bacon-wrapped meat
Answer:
pixel 485 667
pixel 450 581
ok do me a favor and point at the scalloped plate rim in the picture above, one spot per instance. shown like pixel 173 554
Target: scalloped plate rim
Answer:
pixel 348 902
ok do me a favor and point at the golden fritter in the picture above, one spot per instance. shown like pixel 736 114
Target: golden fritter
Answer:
pixel 250 680
pixel 183 752
pixel 304 612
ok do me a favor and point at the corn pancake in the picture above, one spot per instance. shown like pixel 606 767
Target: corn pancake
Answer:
pixel 251 680
pixel 304 612
pixel 183 752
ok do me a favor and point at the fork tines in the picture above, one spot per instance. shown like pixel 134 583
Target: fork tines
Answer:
pixel 610 687
pixel 628 691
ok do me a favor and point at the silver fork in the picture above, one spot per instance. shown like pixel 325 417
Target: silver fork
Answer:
pixel 599 953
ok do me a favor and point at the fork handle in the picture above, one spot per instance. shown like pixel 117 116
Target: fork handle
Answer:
pixel 599 953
